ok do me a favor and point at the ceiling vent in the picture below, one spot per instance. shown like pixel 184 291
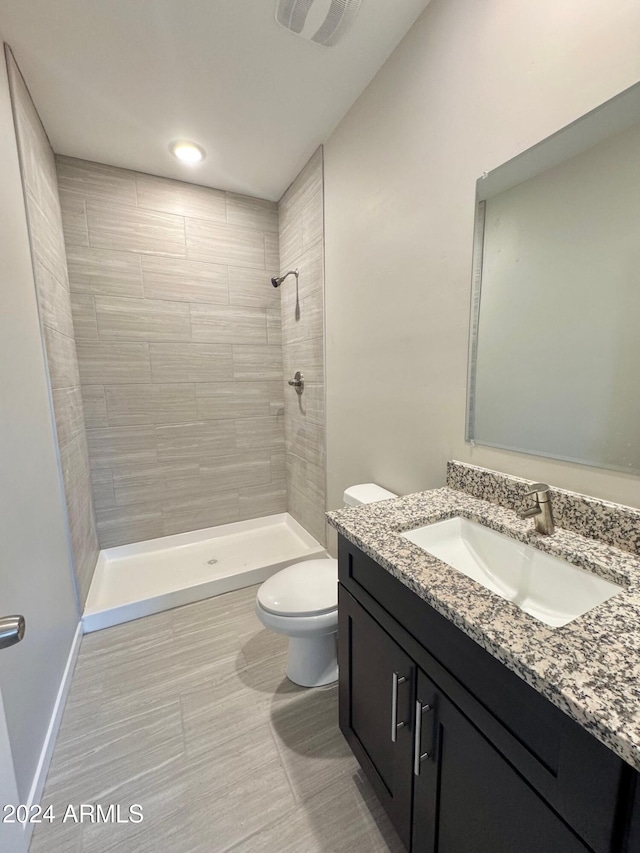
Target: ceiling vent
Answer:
pixel 322 21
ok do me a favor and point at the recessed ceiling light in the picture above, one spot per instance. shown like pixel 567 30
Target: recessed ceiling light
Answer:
pixel 188 152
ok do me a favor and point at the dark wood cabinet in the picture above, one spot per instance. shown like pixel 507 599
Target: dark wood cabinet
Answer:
pixel 375 709
pixel 483 804
pixel 465 757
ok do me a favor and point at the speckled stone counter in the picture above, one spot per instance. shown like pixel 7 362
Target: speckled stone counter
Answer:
pixel 589 668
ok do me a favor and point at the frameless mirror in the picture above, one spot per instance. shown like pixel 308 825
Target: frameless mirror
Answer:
pixel 554 354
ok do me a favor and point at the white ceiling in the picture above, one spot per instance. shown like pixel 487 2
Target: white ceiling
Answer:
pixel 117 80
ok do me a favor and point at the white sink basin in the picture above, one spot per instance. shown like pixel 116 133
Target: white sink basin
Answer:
pixel 544 586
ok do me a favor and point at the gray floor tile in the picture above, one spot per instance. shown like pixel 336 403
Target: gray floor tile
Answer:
pixel 312 749
pixel 189 713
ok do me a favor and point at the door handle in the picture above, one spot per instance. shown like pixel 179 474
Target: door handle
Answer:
pixel 11 630
pixel 395 725
pixel 418 755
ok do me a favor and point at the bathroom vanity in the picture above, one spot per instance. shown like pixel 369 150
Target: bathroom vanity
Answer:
pixel 480 728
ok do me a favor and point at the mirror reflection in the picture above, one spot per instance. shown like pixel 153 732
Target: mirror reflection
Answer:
pixel 555 333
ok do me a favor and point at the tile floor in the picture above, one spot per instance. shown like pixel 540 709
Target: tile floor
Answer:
pixel 188 713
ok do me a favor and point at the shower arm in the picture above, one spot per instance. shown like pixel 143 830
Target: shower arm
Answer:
pixel 276 281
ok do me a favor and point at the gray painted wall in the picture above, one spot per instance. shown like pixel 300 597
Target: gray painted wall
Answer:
pixel 35 570
pixel 470 86
pixel 178 337
pixel 301 214
pixel 52 288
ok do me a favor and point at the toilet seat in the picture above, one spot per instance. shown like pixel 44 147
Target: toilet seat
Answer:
pixel 305 589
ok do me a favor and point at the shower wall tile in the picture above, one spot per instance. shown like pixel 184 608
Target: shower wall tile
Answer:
pixel 95 406
pixel 199 440
pixel 312 219
pixel 308 322
pixel 268 499
pixel 305 439
pixel 129 405
pixel 306 475
pixel 262 363
pixel 45 233
pixel 221 400
pixel 191 362
pixel 104 273
pixel 236 470
pixel 274 327
pixel 130 523
pixel 252 213
pixel 311 266
pixel 279 466
pixel 114 447
pixel 178 341
pixel 96 181
pixel 174 403
pixel 67 407
pixel 185 281
pixel 53 301
pixel 197 512
pixel 276 397
pixel 312 408
pixel 136 484
pixel 295 205
pixel 228 324
pixel 113 363
pixel 271 253
pixel 260 432
pixel 307 511
pixel 224 244
pixel 74 219
pixel 102 484
pixel 246 287
pixel 150 320
pixel 307 356
pixel 128 229
pixel 181 479
pixel 180 198
pixel 150 404
pixel 301 212
pixel 61 355
pixel 84 321
pixel 80 510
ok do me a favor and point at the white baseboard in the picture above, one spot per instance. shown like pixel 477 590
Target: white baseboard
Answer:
pixel 42 769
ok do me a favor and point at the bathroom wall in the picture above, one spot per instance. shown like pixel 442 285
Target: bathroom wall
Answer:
pixel 470 86
pixel 178 338
pixel 54 304
pixel 36 577
pixel 301 213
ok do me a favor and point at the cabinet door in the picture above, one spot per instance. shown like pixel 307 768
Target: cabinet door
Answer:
pixel 377 686
pixel 467 797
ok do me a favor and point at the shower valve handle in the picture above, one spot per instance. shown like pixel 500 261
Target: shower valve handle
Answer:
pixel 297 382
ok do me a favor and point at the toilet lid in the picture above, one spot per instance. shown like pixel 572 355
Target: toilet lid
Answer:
pixel 304 589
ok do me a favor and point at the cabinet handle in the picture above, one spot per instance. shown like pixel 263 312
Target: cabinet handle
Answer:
pixel 419 757
pixel 395 725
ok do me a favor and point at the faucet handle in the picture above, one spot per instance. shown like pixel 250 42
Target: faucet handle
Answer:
pixel 538 489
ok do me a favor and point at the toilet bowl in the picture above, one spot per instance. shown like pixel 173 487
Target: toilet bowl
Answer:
pixel 301 602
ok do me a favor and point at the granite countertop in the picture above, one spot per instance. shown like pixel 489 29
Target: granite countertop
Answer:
pixel 590 668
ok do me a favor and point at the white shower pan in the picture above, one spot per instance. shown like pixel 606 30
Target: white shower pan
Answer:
pixel 136 580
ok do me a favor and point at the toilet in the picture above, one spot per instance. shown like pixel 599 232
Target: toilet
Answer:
pixel 301 602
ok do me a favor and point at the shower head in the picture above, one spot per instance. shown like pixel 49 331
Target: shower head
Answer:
pixel 277 281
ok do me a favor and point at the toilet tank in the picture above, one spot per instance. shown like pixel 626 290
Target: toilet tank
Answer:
pixel 366 493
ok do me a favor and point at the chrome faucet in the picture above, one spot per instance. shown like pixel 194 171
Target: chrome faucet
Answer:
pixel 541 510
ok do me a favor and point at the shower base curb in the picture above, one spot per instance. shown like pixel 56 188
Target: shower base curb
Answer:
pixel 132 581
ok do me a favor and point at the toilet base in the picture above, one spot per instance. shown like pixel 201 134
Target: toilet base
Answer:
pixel 313 661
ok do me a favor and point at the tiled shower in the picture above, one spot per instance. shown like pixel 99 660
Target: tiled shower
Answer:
pixel 169 350
pixel 178 341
